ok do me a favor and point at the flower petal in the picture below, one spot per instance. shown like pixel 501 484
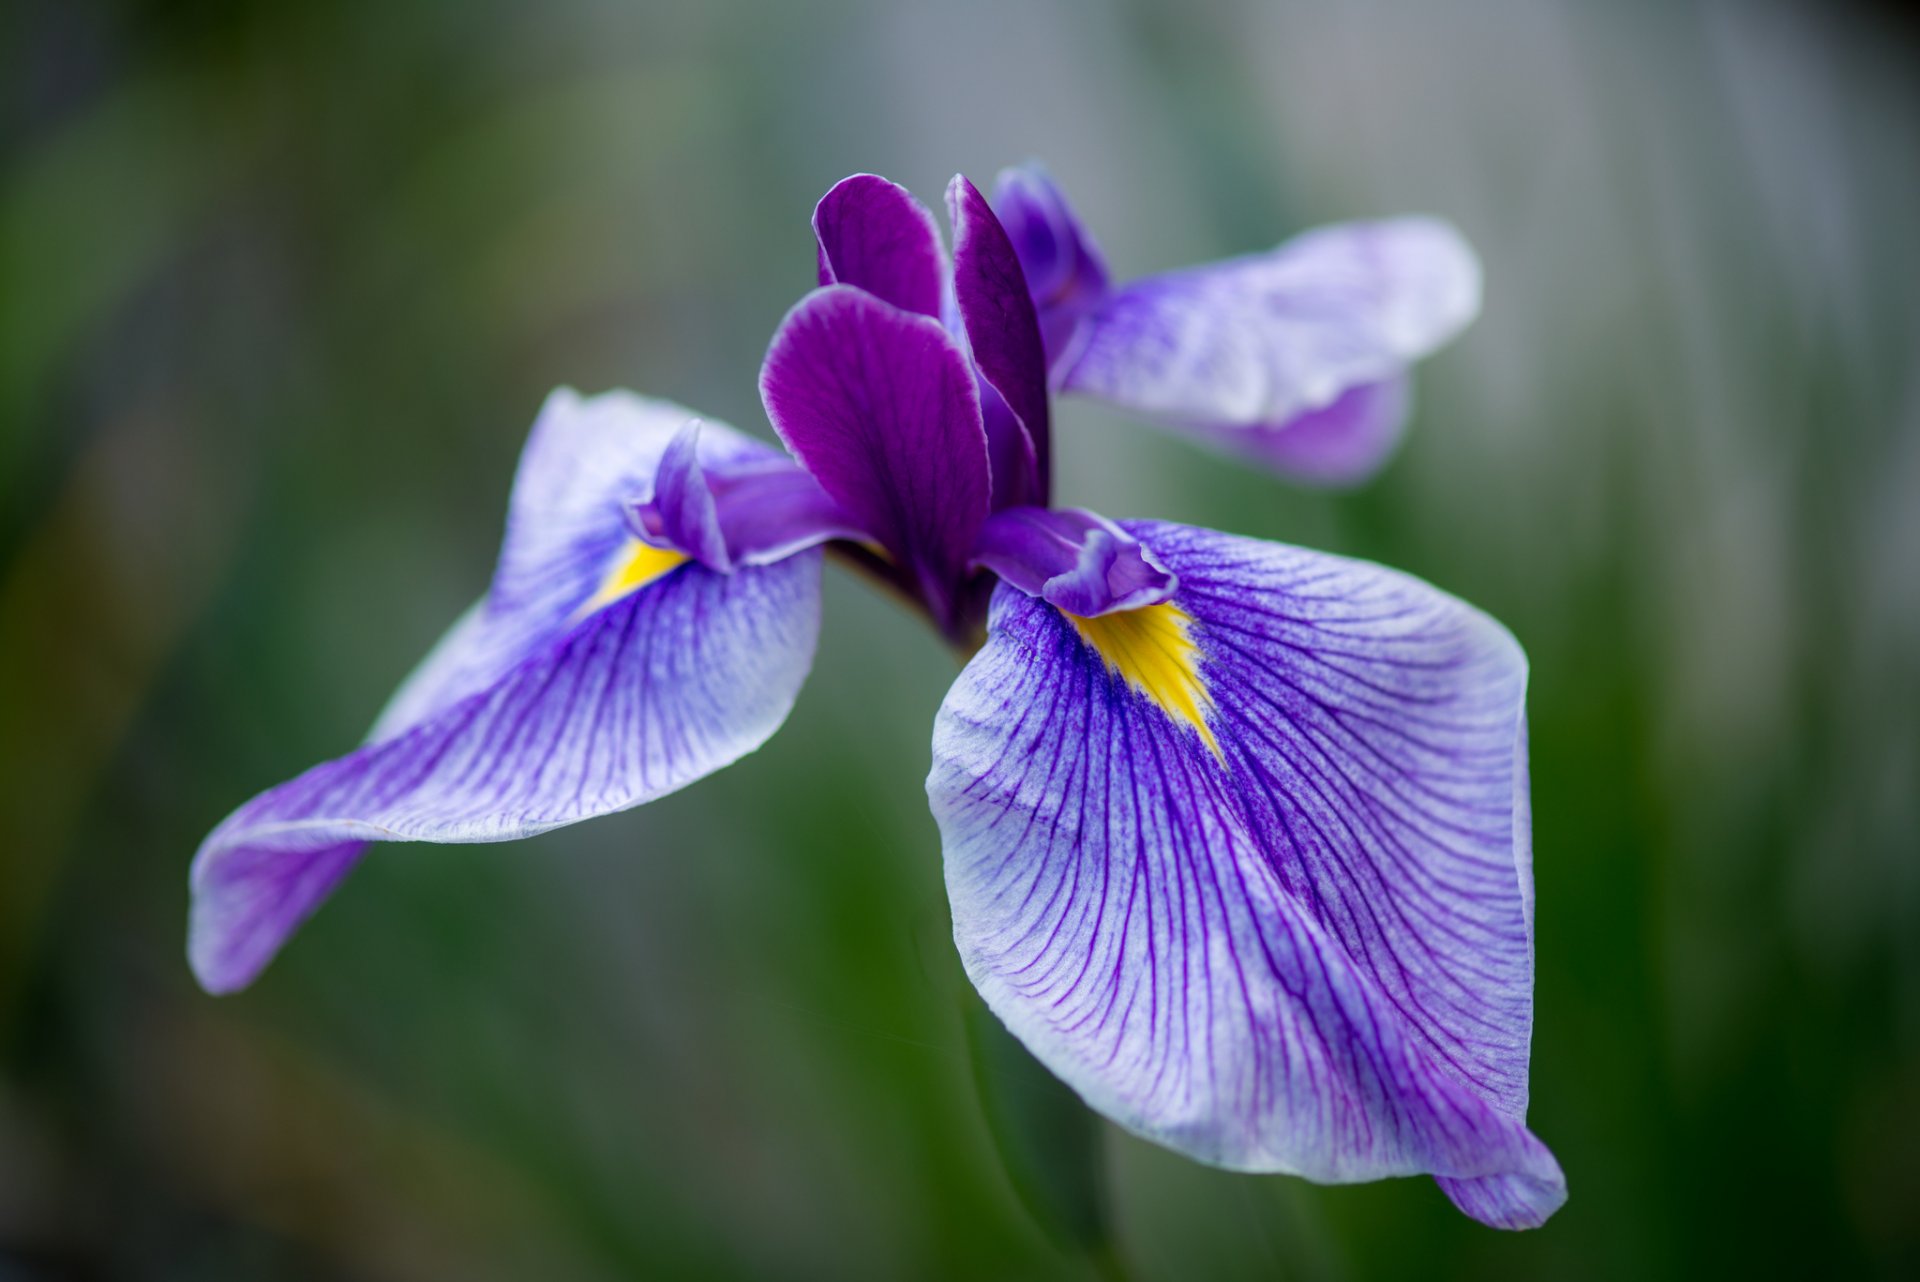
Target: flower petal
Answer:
pixel 626 673
pixel 880 405
pixel 583 458
pixel 1339 444
pixel 1065 271
pixel 1254 877
pixel 1003 335
pixel 1074 559
pixel 749 511
pixel 876 235
pixel 1254 343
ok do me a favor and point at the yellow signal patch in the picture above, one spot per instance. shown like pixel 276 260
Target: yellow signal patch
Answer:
pixel 637 565
pixel 1152 649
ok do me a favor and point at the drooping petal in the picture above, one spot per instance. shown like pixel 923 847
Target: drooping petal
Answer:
pixel 1251 870
pixel 1339 444
pixel 880 405
pixel 1003 335
pixel 584 457
pixel 598 674
pixel 1255 343
pixel 876 235
pixel 1073 559
pixel 1064 268
pixel 745 511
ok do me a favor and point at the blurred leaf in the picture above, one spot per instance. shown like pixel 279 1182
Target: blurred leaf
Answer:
pixel 1047 1138
pixel 71 247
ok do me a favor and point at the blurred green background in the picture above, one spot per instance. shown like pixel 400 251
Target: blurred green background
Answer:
pixel 281 287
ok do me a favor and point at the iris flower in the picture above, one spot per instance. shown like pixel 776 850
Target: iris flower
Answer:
pixel 1236 834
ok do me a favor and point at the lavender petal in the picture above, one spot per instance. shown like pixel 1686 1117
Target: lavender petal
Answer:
pixel 1309 952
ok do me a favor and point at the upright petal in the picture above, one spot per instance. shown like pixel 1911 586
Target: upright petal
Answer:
pixel 1249 868
pixel 598 674
pixel 876 235
pixel 1065 271
pixel 1253 344
pixel 880 405
pixel 1003 335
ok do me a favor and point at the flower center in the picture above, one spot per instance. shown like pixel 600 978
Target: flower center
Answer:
pixel 1152 649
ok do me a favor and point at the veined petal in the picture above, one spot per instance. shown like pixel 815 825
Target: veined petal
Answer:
pixel 598 674
pixel 1260 890
pixel 584 458
pixel 1339 444
pixel 1003 335
pixel 880 405
pixel 1254 343
pixel 1064 268
pixel 876 235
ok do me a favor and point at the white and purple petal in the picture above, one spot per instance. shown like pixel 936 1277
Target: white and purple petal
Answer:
pixel 566 694
pixel 880 405
pixel 1299 940
pixel 1257 344
pixel 1339 444
pixel 583 455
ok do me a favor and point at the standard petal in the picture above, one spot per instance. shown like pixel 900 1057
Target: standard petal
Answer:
pixel 1065 271
pixel 1254 879
pixel 880 405
pixel 1003 336
pixel 598 673
pixel 876 235
pixel 1254 343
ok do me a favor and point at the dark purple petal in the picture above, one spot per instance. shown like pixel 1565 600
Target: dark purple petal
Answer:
pixel 560 697
pixel 1281 922
pixel 875 235
pixel 1255 343
pixel 1074 559
pixel 736 511
pixel 1339 444
pixel 1064 269
pixel 1003 334
pixel 880 405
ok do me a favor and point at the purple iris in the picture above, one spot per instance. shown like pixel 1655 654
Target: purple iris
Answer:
pixel 1236 834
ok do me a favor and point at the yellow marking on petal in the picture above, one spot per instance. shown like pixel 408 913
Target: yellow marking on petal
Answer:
pixel 637 565
pixel 1152 648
